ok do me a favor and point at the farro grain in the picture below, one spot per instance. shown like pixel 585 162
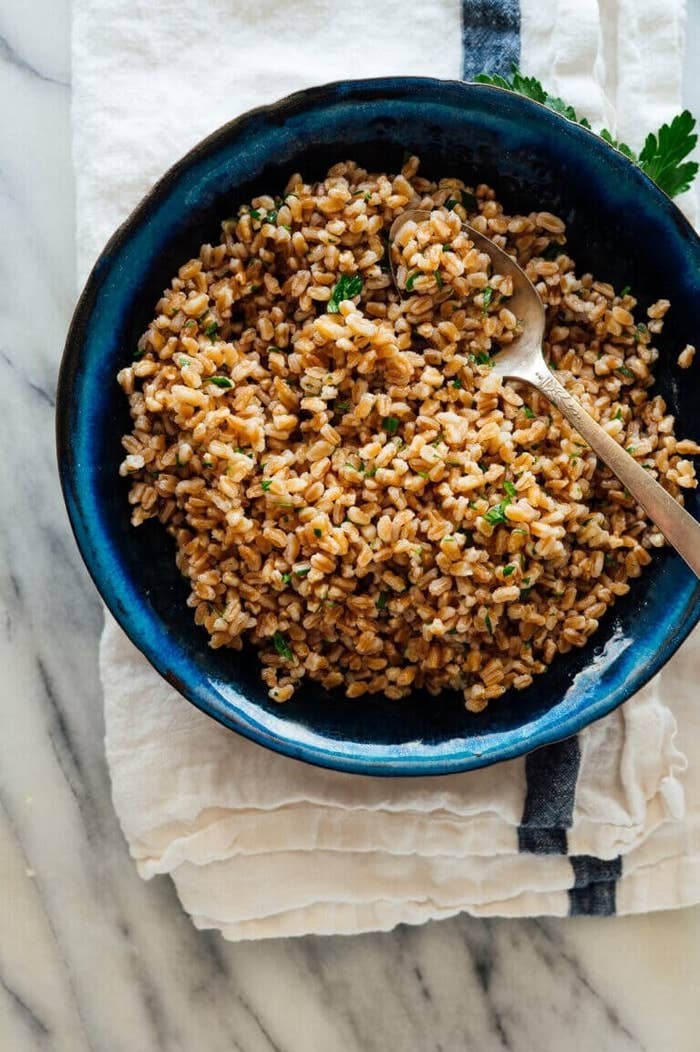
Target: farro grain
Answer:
pixel 355 491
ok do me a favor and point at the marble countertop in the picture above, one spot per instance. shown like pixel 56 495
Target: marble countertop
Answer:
pixel 90 956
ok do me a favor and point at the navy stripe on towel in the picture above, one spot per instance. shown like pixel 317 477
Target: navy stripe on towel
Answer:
pixel 551 775
pixel 490 37
pixel 595 881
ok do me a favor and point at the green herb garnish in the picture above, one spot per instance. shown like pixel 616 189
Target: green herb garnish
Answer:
pixel 282 646
pixel 487 296
pixel 318 532
pixel 220 381
pixel 255 213
pixel 211 330
pixel 411 279
pixel 347 286
pixel 624 292
pixel 510 489
pixel 271 217
pixel 381 600
pixel 625 372
pixel 303 572
pixel 618 415
pixel 528 412
pixel 497 514
pixel 661 155
pixel 286 578
pixel 438 278
pixel 508 570
pixel 390 424
pixel 457 383
pixel 487 621
pixel 266 483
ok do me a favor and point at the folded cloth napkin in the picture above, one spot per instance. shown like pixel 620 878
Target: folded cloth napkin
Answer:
pixel 260 845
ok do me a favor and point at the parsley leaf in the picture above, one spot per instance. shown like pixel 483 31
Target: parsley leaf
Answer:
pixel 286 578
pixel 390 424
pixel 508 570
pixel 528 412
pixel 266 483
pixel 282 646
pixel 497 514
pixel 381 600
pixel 457 383
pixel 410 280
pixel 662 154
pixel 486 299
pixel 220 381
pixel 510 489
pixel 347 286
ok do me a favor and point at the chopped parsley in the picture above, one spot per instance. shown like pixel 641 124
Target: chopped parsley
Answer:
pixel 528 412
pixel 220 381
pixel 342 405
pixel 618 415
pixel 183 362
pixel 211 330
pixel 487 296
pixel 438 278
pixel 411 279
pixel 497 514
pixel 508 570
pixel 390 424
pixel 347 286
pixel 303 572
pixel 318 532
pixel 286 578
pixel 624 292
pixel 381 600
pixel 631 449
pixel 423 474
pixel 526 589
pixel 457 383
pixel 510 489
pixel 271 216
pixel 282 646
pixel 625 372
pixel 255 213
pixel 482 358
pixel 266 483
pixel 487 621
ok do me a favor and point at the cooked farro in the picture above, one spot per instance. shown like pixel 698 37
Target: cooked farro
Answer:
pixel 348 484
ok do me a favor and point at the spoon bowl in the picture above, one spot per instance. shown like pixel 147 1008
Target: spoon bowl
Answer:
pixel 523 360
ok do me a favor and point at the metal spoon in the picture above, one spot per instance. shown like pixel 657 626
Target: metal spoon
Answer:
pixel 522 360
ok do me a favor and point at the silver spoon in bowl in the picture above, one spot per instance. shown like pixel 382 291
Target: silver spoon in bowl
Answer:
pixel 522 360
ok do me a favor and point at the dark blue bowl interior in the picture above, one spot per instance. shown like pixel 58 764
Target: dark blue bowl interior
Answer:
pixel 620 227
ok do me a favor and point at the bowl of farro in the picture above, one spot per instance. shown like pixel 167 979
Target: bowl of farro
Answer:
pixel 309 500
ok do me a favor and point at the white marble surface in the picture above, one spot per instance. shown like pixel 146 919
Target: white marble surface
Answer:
pixel 91 957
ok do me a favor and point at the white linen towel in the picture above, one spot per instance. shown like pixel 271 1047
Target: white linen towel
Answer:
pixel 260 845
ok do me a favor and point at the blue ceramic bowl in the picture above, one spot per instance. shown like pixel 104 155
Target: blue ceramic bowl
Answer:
pixel 621 227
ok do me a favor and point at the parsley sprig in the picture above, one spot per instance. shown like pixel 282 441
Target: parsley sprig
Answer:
pixel 663 155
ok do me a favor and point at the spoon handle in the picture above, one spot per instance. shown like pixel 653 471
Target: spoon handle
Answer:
pixel 678 527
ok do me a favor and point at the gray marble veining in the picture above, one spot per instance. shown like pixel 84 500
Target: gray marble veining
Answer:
pixel 92 958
